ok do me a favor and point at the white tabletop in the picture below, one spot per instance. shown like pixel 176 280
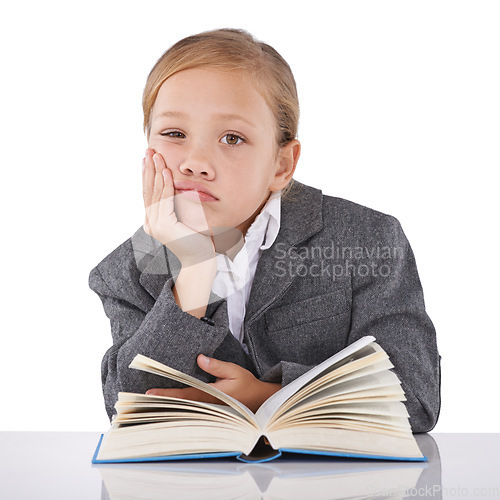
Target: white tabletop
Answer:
pixel 57 465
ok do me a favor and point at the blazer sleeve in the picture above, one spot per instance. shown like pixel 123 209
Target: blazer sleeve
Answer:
pixel 163 332
pixel 388 303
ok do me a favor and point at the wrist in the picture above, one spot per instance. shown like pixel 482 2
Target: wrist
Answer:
pixel 199 270
pixel 193 286
pixel 203 260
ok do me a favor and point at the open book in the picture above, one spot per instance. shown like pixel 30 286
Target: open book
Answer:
pixel 349 405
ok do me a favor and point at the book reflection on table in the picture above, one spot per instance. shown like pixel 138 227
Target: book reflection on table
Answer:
pixel 290 478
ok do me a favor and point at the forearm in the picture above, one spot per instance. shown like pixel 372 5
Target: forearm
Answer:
pixel 193 286
pixel 162 331
pixel 170 336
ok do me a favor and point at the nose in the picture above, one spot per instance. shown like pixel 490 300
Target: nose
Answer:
pixel 198 163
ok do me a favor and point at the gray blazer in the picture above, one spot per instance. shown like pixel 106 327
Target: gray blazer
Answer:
pixel 337 271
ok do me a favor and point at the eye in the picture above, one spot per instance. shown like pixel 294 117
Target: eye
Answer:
pixel 174 133
pixel 232 139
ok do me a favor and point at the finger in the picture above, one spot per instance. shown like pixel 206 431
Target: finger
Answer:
pixel 158 179
pixel 219 369
pixel 147 189
pixel 148 177
pixel 167 195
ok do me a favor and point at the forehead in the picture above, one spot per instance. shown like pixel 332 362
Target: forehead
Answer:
pixel 203 90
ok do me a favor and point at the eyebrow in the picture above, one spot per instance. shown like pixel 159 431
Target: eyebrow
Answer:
pixel 224 116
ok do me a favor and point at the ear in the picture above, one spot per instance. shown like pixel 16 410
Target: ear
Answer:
pixel 286 162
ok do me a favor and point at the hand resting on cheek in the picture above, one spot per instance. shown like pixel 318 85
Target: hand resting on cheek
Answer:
pixel 161 222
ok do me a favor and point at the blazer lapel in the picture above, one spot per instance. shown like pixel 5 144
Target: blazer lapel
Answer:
pixel 301 217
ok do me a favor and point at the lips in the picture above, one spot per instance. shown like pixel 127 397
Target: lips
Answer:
pixel 194 191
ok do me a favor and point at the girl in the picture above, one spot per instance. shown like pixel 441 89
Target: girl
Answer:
pixel 242 276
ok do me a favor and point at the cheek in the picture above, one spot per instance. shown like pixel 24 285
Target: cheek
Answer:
pixel 169 152
pixel 191 214
pixel 249 166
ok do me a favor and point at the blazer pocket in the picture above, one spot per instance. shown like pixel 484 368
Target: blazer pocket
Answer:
pixel 307 311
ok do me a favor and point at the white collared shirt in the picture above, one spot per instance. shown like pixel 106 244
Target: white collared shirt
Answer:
pixel 234 278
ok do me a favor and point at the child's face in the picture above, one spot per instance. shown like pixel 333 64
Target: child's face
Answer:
pixel 215 129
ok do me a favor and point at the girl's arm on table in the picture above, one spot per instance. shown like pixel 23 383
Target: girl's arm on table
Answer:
pixel 392 309
pixel 158 329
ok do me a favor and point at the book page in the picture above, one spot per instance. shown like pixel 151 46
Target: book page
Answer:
pixel 163 439
pixel 356 368
pixel 346 441
pixel 360 407
pixel 270 406
pixel 149 365
pixel 143 408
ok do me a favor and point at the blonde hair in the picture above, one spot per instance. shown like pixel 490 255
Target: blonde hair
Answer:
pixel 232 49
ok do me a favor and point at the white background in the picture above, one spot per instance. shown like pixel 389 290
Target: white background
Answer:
pixel 400 112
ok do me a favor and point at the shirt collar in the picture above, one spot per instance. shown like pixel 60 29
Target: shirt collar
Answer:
pixel 265 228
pixel 260 235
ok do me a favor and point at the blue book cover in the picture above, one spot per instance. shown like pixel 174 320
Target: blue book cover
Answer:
pixel 260 458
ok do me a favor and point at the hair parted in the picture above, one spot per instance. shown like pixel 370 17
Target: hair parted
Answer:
pixel 232 49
